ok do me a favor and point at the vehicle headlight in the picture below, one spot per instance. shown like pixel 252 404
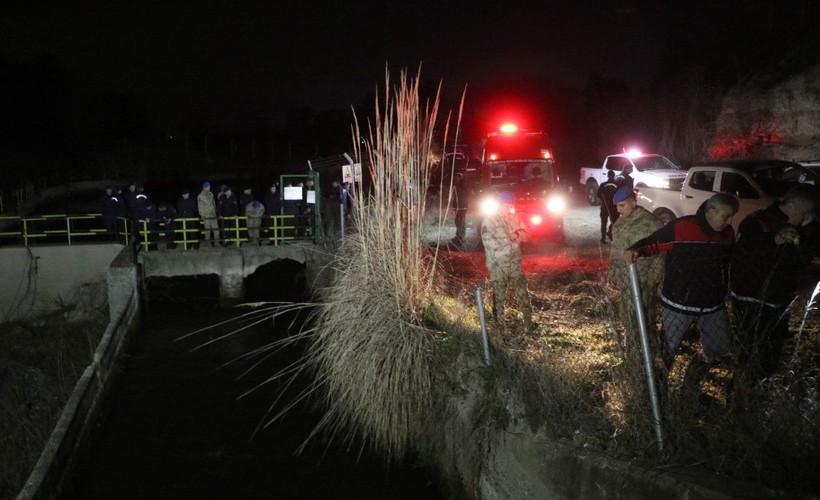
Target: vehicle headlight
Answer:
pixel 489 206
pixel 556 205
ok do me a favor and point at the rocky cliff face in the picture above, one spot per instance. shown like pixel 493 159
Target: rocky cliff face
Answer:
pixel 772 119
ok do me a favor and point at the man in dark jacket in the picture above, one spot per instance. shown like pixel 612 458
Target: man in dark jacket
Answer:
pixel 273 207
pixel 766 261
pixel 461 200
pixel 608 211
pixel 695 274
pixel 228 209
pixel 109 207
pixel 166 224
pixel 186 206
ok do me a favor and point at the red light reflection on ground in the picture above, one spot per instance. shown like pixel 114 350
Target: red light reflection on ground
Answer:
pixel 471 267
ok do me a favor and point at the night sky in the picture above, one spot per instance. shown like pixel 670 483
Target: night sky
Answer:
pixel 244 57
pixel 234 63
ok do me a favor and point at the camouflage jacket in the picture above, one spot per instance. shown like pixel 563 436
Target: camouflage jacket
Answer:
pixel 254 215
pixel 501 243
pixel 206 205
pixel 626 232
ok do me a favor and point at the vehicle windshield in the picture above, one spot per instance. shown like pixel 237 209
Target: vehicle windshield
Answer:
pixel 520 174
pixel 645 163
pixel 778 179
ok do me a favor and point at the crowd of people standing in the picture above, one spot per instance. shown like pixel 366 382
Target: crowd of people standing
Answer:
pixel 218 217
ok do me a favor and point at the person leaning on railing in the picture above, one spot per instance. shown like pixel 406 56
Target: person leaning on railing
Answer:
pixel 694 289
pixel 634 224
pixel 254 212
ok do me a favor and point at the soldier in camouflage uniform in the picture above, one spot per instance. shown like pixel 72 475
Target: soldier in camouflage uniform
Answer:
pixel 634 224
pixel 502 233
pixel 254 211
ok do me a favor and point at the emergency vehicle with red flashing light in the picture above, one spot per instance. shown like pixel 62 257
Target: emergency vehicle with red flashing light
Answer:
pixel 651 170
pixel 521 162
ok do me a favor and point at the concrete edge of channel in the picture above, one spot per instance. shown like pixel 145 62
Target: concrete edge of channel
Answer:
pixel 64 450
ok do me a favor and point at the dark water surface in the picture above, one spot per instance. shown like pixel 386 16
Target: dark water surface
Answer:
pixel 177 430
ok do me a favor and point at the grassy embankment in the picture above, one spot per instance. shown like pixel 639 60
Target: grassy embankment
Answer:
pixel 43 359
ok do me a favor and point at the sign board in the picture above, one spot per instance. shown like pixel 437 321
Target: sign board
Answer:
pixel 311 196
pixel 293 193
pixel 352 173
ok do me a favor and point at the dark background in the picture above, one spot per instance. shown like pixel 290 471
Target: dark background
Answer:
pixel 186 89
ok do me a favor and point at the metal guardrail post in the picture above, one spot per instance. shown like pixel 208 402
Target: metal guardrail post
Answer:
pixel 144 234
pixel 485 341
pixel 647 355
pixel 25 232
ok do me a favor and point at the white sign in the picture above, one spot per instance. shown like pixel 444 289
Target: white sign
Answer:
pixel 311 196
pixel 293 192
pixel 350 174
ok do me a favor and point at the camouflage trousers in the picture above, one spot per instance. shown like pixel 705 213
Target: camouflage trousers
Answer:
pixel 510 279
pixel 629 318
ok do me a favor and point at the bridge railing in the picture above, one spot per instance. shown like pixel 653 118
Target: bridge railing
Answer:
pixel 147 235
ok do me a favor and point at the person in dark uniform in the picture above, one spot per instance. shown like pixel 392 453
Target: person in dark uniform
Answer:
pixel 140 209
pixel 227 209
pixel 308 206
pixel 609 214
pixel 166 222
pixel 145 221
pixel 186 209
pixel 273 206
pixel 290 208
pixel 460 203
pixel 109 207
pixel 122 213
pixel 245 199
pixel 129 199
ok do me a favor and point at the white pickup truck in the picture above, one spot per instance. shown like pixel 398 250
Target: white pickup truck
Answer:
pixel 646 170
pixel 756 183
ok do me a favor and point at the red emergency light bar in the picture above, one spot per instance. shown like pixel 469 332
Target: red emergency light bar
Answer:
pixel 508 128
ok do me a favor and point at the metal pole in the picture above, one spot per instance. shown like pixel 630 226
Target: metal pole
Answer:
pixel 484 339
pixel 647 356
pixel 342 221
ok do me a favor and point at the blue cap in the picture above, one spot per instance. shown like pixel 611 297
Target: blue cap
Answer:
pixel 206 185
pixel 623 193
pixel 506 197
pixel 256 204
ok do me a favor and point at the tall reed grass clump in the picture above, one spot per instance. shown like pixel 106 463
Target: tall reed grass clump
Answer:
pixel 368 344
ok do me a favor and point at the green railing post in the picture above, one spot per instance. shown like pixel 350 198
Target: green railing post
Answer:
pixel 144 234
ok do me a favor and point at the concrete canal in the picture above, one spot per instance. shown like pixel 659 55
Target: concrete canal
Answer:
pixel 175 428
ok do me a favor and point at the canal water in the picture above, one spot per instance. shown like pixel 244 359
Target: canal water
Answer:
pixel 176 428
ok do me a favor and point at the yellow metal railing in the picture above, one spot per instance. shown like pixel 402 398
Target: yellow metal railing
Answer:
pixel 146 235
pixel 233 232
pixel 50 228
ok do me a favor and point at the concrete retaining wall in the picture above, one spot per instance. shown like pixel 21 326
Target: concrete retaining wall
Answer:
pixel 518 462
pixel 38 280
pixel 233 264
